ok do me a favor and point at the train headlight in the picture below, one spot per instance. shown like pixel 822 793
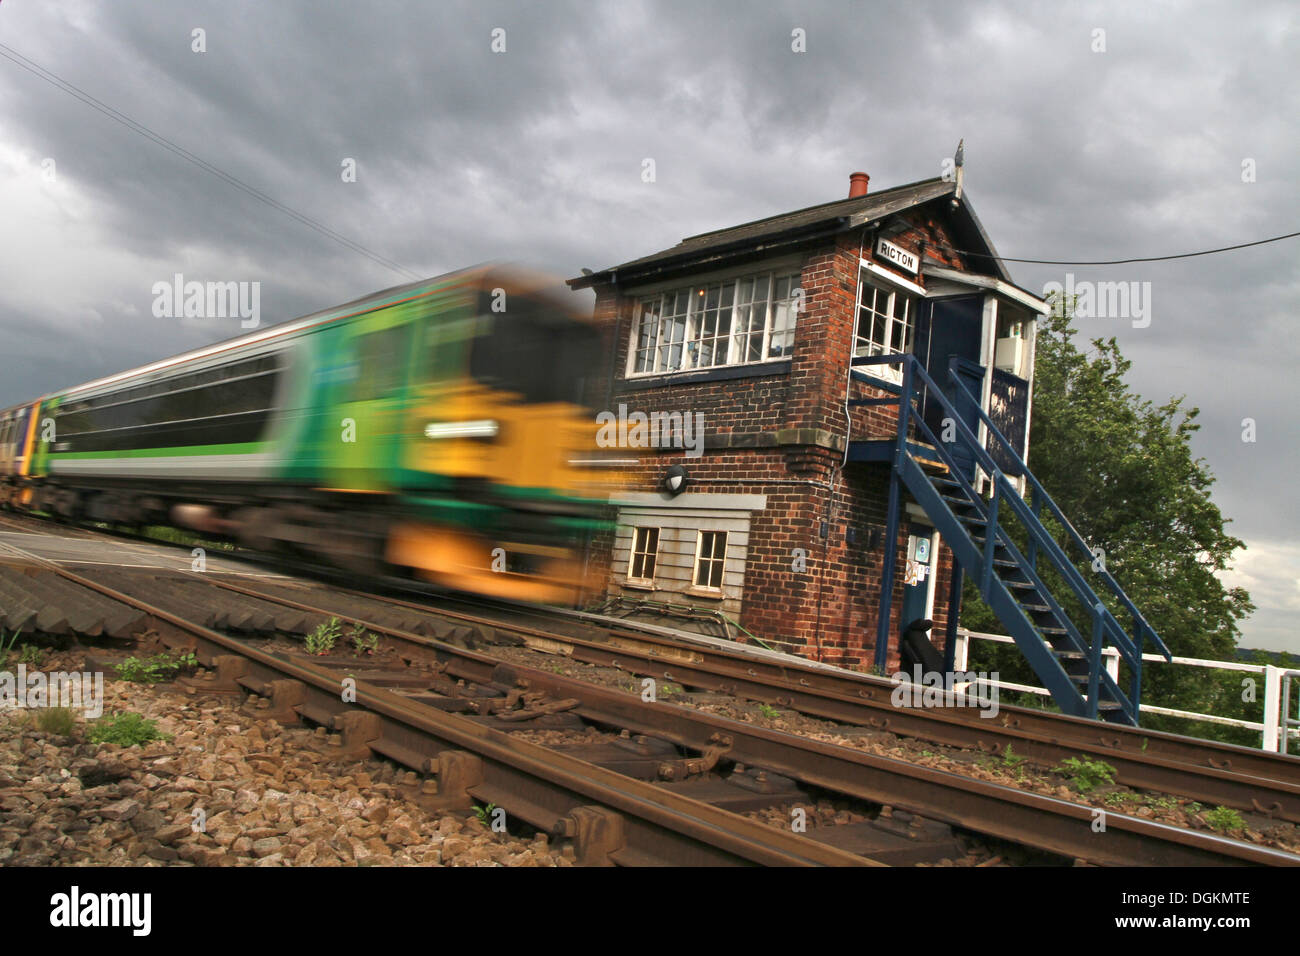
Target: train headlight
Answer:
pixel 483 428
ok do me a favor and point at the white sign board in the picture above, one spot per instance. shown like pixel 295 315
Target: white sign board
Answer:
pixel 896 255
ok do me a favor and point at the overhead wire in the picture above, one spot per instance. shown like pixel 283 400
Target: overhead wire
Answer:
pixel 139 128
pixel 1117 262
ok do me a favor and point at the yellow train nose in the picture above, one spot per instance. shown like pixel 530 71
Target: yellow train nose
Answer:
pixel 464 561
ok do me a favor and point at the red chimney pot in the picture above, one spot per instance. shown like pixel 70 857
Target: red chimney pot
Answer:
pixel 858 184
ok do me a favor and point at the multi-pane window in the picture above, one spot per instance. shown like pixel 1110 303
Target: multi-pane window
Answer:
pixel 645 550
pixel 711 331
pixel 749 319
pixel 885 325
pixel 781 340
pixel 752 296
pixel 710 559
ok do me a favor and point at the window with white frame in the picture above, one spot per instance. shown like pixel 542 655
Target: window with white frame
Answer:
pixel 733 322
pixel 645 551
pixel 710 559
pixel 885 325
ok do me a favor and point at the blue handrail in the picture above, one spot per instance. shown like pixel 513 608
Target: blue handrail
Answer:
pixel 1104 622
pixel 1072 633
pixel 1042 497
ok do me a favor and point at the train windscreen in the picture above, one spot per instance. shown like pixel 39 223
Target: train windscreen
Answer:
pixel 535 351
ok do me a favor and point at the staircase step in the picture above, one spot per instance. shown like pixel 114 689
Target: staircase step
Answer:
pixel 927 463
pixel 1052 630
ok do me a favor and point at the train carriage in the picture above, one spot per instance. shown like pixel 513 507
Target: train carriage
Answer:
pixel 435 427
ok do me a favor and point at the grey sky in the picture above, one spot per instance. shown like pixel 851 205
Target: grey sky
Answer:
pixel 535 155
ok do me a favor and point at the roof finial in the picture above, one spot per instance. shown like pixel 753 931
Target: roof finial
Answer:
pixel 959 160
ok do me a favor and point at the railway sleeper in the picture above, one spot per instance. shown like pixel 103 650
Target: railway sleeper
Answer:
pixel 899 839
pixel 610 757
pixel 737 794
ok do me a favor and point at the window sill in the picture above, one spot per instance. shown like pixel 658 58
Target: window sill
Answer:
pixel 712 594
pixel 641 585
pixel 725 373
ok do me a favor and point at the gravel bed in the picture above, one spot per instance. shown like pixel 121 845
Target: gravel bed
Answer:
pixel 265 794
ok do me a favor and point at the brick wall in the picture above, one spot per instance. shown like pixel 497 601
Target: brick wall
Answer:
pixel 781 433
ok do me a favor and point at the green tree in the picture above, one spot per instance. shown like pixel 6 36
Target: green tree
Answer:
pixel 1122 470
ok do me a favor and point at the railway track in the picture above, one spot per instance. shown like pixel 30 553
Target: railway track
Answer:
pixel 710 762
pixel 1205 771
pixel 610 817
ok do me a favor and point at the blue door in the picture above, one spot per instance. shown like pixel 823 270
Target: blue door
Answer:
pixel 971 375
pixel 950 333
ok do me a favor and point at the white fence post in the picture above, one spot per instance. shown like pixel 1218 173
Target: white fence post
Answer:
pixel 1276 728
pixel 961 652
pixel 1272 706
pixel 1112 662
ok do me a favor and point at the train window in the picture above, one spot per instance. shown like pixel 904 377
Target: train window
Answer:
pixel 383 357
pixel 225 404
pixel 535 353
pixel 20 431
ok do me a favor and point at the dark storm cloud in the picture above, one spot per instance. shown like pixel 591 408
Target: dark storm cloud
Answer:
pixel 535 154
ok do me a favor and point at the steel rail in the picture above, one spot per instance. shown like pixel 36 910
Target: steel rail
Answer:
pixel 1148 759
pixel 1207 771
pixel 1019 816
pixel 1268 784
pixel 550 789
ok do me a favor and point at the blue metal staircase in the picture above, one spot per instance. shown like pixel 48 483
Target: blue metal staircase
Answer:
pixel 1063 648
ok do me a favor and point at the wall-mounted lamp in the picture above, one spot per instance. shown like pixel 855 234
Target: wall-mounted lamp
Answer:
pixel 675 480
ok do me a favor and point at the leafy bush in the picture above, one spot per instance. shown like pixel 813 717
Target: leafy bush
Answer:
pixel 6 647
pixel 1087 775
pixel 1224 819
pixel 127 729
pixel 56 720
pixel 323 639
pixel 363 642
pixel 153 670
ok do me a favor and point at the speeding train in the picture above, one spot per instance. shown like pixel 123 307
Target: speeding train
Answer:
pixel 436 429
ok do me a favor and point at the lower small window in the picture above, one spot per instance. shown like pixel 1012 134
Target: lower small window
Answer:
pixel 710 559
pixel 645 550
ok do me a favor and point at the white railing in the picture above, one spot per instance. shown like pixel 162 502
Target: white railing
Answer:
pixel 1276 729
